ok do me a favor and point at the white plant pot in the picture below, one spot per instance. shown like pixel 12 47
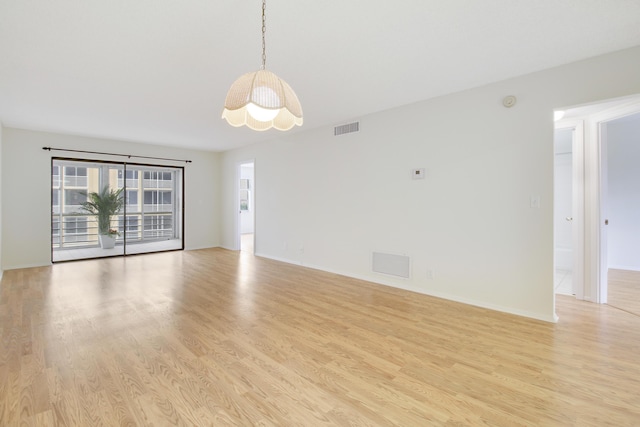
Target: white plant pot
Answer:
pixel 107 242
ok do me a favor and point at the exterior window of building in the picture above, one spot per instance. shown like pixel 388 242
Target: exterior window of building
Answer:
pixel 129 225
pixel 73 200
pixel 75 176
pixel 75 228
pixel 156 226
pixel 55 231
pixel 133 205
pixel 157 179
pixel 55 200
pixel 157 201
pixel 131 178
pixel 55 189
pixel 55 177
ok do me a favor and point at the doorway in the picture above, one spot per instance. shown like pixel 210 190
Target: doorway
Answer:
pixel 563 210
pixel 621 140
pixel 246 207
pixel 591 202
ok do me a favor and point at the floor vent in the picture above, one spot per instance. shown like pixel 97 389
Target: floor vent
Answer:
pixel 348 128
pixel 394 265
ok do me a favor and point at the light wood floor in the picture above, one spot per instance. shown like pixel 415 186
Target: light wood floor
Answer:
pixel 216 337
pixel 624 290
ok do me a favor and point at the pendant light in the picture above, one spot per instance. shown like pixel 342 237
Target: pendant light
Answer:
pixel 261 100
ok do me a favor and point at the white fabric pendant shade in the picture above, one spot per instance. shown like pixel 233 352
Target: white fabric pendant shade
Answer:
pixel 268 92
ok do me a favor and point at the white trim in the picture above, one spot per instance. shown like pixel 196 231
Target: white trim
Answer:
pixel 622 267
pixel 199 248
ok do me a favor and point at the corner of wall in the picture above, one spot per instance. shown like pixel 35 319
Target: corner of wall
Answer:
pixel 1 265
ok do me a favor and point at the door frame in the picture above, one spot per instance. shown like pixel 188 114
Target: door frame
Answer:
pixel 590 192
pixel 596 195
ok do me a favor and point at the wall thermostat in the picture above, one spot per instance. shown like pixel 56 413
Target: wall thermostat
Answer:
pixel 417 173
pixel 509 101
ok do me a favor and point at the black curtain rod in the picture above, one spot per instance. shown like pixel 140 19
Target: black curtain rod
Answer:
pixel 114 154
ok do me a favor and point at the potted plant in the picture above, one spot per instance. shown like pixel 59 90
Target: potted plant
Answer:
pixel 104 205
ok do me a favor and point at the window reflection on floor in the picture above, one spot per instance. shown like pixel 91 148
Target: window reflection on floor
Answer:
pixel 246 243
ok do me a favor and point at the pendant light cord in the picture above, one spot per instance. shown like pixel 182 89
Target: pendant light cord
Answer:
pixel 264 30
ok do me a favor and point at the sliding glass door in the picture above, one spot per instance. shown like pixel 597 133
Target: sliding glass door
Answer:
pixel 101 209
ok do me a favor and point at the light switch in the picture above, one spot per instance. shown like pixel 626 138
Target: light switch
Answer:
pixel 534 202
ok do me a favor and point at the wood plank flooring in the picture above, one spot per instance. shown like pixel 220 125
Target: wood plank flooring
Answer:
pixel 216 337
pixel 624 290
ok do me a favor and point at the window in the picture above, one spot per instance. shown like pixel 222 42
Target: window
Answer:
pixel 157 197
pixel 131 177
pixel 132 201
pixel 152 209
pixel 157 179
pixel 75 176
pixel 155 175
pixel 129 174
pixel 130 225
pixel 55 231
pixel 55 177
pixel 55 200
pixel 157 201
pixel 75 229
pixel 156 226
pixel 73 199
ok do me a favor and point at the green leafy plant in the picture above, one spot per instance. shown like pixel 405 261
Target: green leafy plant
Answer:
pixel 104 205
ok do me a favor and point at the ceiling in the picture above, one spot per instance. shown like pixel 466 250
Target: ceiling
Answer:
pixel 157 71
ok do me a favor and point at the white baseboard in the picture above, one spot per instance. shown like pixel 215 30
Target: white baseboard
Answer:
pixel 622 267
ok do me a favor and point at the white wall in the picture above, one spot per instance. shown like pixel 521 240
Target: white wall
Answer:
pixel 328 202
pixel 26 194
pixel 623 150
pixel 1 135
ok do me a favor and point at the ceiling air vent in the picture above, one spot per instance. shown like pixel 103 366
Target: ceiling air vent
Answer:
pixel 348 128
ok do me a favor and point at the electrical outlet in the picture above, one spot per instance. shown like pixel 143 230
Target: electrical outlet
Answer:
pixel 430 274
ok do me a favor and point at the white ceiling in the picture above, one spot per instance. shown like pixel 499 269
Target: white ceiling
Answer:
pixel 157 71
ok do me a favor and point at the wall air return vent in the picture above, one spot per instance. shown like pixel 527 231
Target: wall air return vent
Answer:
pixel 348 128
pixel 394 265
